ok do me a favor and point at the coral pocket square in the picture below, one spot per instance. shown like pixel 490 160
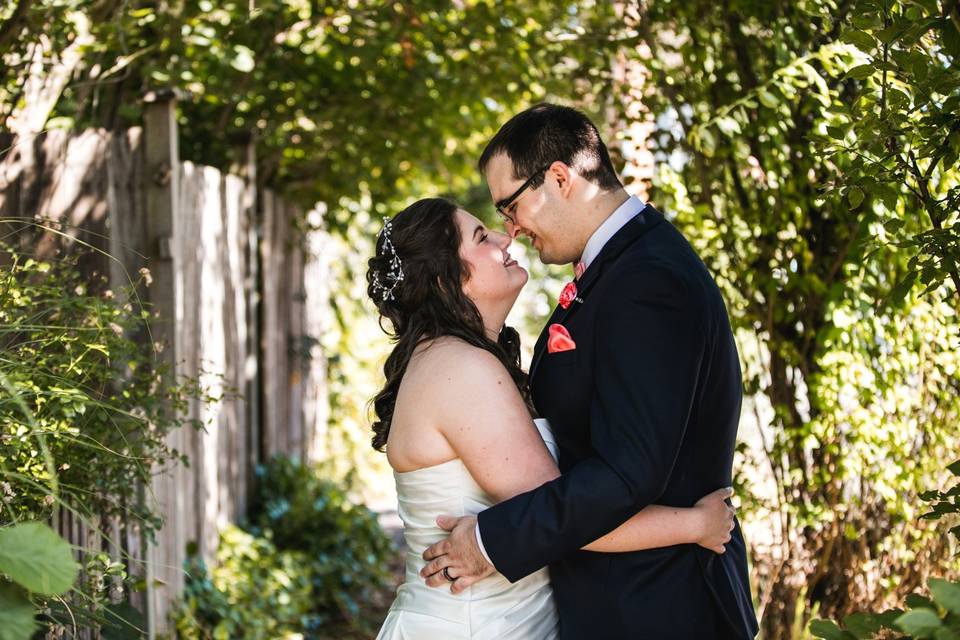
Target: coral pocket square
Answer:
pixel 559 339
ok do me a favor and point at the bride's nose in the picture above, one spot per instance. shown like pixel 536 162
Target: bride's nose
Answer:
pixel 505 241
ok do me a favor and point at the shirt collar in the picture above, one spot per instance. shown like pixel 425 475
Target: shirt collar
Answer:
pixel 621 216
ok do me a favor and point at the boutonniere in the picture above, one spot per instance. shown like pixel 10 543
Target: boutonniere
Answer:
pixel 569 295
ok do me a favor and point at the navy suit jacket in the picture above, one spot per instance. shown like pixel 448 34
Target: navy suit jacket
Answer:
pixel 645 411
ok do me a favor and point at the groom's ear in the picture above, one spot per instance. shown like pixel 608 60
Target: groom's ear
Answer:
pixel 560 173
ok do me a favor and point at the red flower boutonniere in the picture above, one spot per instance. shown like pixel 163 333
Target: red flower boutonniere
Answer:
pixel 569 295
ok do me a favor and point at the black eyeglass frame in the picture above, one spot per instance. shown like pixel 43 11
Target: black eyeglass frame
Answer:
pixel 502 207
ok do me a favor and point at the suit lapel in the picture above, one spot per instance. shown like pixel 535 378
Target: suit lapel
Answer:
pixel 647 219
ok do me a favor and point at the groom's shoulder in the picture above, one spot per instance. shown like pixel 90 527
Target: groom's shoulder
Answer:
pixel 641 276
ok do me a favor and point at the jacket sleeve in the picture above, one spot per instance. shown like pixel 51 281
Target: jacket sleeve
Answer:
pixel 649 345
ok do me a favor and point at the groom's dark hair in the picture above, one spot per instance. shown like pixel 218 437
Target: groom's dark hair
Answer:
pixel 545 133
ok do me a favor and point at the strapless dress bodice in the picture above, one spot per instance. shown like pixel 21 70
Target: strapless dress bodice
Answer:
pixel 491 608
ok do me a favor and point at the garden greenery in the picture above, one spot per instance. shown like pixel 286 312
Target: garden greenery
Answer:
pixel 83 418
pixel 309 559
pixel 808 150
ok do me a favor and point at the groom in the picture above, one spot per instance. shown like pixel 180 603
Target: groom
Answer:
pixel 644 406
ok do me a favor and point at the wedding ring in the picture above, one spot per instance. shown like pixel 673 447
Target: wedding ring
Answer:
pixel 446 574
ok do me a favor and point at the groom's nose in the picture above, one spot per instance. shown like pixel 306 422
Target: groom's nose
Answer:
pixel 512 229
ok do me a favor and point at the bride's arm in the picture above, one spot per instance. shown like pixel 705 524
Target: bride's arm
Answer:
pixel 707 524
pixel 483 417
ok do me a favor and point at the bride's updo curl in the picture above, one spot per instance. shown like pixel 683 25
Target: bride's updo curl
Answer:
pixel 416 280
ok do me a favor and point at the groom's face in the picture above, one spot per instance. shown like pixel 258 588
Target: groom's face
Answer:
pixel 528 214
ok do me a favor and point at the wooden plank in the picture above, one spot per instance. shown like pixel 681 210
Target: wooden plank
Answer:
pixel 272 347
pixel 161 190
pixel 317 321
pixel 233 480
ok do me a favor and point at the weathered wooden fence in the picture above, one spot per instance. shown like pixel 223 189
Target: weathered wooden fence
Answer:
pixel 228 271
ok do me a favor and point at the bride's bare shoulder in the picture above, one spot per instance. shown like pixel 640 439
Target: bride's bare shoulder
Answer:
pixel 454 356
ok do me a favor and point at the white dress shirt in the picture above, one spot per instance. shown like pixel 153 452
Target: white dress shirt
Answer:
pixel 607 229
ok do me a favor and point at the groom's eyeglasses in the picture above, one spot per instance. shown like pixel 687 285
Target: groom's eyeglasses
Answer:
pixel 505 203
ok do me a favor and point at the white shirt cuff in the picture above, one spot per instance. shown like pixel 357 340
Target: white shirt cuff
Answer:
pixel 480 544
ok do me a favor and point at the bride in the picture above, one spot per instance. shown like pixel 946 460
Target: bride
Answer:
pixel 455 418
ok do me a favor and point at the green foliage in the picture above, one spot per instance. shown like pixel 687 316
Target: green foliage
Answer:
pixel 945 504
pixel 83 420
pixel 935 618
pixel 17 613
pixel 323 85
pixel 788 161
pixel 901 127
pixel 363 105
pixel 311 558
pixel 807 149
pixel 255 591
pixel 86 415
pixel 304 512
pixel 36 560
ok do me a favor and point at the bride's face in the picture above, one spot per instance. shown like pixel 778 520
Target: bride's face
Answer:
pixel 495 277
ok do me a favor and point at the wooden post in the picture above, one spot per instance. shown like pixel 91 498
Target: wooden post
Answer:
pixel 245 166
pixel 161 193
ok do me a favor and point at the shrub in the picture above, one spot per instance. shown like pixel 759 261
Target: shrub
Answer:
pixel 84 413
pixel 304 512
pixel 255 591
pixel 309 559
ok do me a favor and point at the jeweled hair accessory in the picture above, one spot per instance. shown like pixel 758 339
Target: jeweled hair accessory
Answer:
pixel 395 275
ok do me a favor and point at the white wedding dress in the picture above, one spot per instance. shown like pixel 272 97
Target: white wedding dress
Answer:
pixel 490 609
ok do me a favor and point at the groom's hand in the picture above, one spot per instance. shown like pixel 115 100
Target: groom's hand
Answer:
pixel 459 555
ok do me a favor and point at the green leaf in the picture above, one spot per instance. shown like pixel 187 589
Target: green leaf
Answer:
pixel 916 601
pixel 894 225
pixel 855 196
pixel 728 126
pixel 829 630
pixel 860 39
pixel 866 21
pixel 946 594
pixel 863 625
pixel 954 468
pixel 891 33
pixel 862 71
pixel 768 99
pixel 946 634
pixel 16 614
pixel 951 39
pixel 836 133
pixel 920 622
pixel 37 558
pixel 900 291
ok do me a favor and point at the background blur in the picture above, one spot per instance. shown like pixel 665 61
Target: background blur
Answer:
pixel 807 149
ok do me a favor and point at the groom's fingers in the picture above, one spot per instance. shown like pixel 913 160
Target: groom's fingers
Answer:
pixel 436 550
pixel 437 580
pixel 432 568
pixel 461 584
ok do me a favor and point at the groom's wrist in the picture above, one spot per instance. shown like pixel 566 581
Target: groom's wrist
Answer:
pixel 483 549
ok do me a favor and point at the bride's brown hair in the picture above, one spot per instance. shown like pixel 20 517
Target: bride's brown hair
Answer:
pixel 429 301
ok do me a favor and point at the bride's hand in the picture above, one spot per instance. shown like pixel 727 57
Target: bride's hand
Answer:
pixel 716 519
